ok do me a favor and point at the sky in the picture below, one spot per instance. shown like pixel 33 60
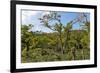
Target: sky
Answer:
pixel 32 17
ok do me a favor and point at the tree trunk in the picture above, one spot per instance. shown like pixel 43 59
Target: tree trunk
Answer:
pixel 27 54
pixel 82 52
pixel 73 50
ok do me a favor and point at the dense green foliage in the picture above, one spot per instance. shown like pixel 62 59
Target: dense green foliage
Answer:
pixel 62 44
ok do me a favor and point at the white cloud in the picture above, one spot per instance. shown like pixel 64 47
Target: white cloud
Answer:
pixel 30 17
pixel 27 14
pixel 46 13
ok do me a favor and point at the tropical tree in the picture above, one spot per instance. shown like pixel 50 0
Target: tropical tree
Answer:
pixel 56 27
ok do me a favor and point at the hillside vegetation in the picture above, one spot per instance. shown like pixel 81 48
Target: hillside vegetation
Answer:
pixel 63 44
